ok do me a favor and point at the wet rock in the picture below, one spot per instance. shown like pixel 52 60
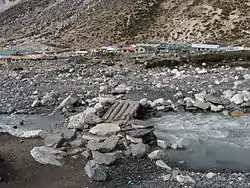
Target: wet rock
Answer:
pixel 237 99
pixel 162 164
pixel 155 155
pixel 185 179
pixel 105 129
pixel 138 133
pixel 84 119
pixel 95 171
pixel 163 144
pixel 102 158
pixel 201 105
pixel 47 155
pixel 139 150
pixel 68 102
pixel 54 140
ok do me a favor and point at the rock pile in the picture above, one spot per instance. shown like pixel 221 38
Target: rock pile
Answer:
pixel 101 139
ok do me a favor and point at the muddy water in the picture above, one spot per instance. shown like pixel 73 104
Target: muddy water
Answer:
pixel 31 122
pixel 212 140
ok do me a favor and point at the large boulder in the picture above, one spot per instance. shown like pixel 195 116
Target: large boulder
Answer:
pixel 109 144
pixel 84 119
pixel 47 155
pixel 237 99
pixel 105 129
pixel 201 105
pixel 95 171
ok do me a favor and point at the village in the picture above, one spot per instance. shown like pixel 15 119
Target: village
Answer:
pixel 152 47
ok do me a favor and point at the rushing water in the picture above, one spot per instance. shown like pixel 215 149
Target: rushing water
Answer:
pixel 212 140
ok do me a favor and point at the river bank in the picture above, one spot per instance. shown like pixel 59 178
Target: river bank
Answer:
pixel 41 88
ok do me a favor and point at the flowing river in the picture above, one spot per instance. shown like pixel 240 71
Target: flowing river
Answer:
pixel 212 140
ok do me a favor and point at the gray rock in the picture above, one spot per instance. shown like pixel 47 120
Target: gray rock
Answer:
pixel 84 119
pixel 87 136
pixel 68 102
pixel 210 175
pixel 86 154
pixel 133 139
pixel 95 171
pixel 200 96
pixel 218 108
pixel 54 140
pixel 157 102
pixel 139 150
pixel 201 105
pixel 77 143
pixel 214 100
pixel 105 129
pixel 48 99
pixel 162 164
pixel 166 177
pixel 107 99
pixel 75 157
pixel 163 144
pixel 93 145
pixel 109 144
pixel 68 134
pixel 47 155
pixel 76 151
pixel 228 94
pixel 138 133
pixel 127 152
pixel 121 89
pixel 36 103
pixel 237 99
pixel 185 179
pixel 144 102
pixel 155 155
pixel 102 158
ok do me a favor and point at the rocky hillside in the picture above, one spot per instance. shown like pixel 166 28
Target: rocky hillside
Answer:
pixel 82 23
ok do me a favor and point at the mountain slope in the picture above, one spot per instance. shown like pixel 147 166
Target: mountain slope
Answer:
pixel 88 23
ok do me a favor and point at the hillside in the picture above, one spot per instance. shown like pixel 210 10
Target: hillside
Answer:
pixel 88 23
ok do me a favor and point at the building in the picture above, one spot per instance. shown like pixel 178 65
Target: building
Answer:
pixel 146 48
pixel 205 47
pixel 168 48
pixel 128 49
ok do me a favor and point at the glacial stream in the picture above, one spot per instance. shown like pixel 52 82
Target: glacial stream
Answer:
pixel 212 140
